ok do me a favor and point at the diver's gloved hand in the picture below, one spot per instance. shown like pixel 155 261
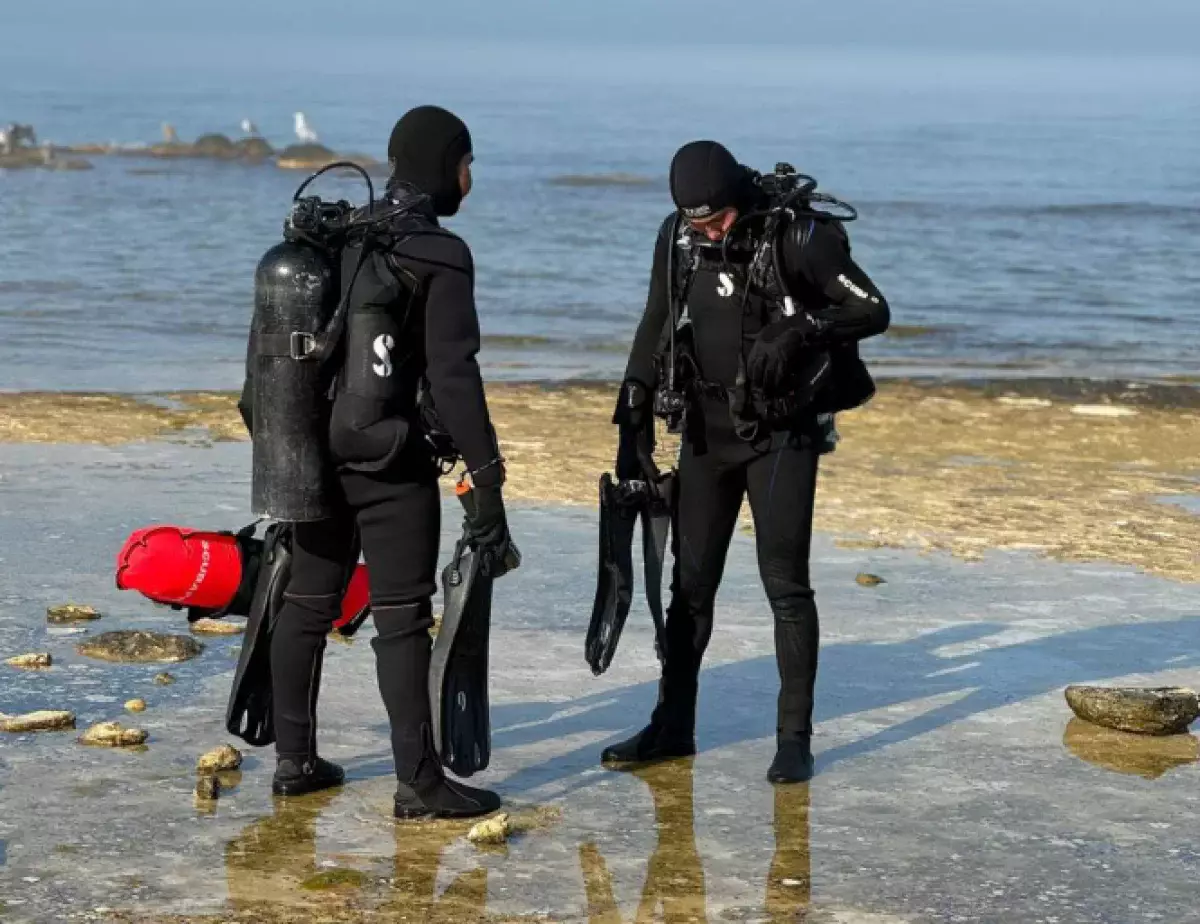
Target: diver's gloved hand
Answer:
pixel 635 443
pixel 486 523
pixel 777 348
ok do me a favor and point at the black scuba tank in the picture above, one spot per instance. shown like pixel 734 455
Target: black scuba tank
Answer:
pixel 295 294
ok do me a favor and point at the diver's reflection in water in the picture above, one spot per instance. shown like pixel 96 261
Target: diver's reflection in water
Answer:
pixel 413 895
pixel 270 860
pixel 674 891
pixel 273 862
pixel 675 876
pixel 789 881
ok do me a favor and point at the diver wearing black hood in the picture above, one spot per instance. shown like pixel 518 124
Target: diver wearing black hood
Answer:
pixel 408 356
pixel 749 344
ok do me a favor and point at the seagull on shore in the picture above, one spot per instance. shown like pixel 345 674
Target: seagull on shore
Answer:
pixel 249 127
pixel 304 131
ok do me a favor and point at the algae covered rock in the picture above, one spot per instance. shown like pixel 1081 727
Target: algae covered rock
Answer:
pixel 113 735
pixel 32 661
pixel 869 580
pixel 306 157
pixel 254 149
pixel 218 759
pixel 163 680
pixel 215 145
pixel 136 705
pixel 217 627
pixel 494 830
pixel 135 646
pixel 339 878
pixel 71 612
pixel 1145 711
pixel 42 720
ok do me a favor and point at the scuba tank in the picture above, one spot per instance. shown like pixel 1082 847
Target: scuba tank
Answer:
pixel 295 330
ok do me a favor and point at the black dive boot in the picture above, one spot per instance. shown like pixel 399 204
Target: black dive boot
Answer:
pixel 793 761
pixel 429 794
pixel 296 777
pixel 670 734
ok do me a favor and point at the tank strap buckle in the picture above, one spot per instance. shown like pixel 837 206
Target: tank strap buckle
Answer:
pixel 303 344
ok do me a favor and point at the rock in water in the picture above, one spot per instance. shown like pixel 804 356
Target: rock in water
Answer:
pixel 135 646
pixel 71 612
pixel 42 720
pixel 1152 711
pixel 306 157
pixel 214 145
pixel 1122 752
pixel 136 705
pixel 113 735
pixel 31 661
pixel 222 758
pixel 208 788
pixel 217 627
pixel 493 830
pixel 869 580
pixel 164 679
pixel 254 149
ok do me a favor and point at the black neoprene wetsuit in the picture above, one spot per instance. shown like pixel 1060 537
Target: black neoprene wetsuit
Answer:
pixel 777 470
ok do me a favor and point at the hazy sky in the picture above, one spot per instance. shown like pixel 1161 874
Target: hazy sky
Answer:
pixel 1142 27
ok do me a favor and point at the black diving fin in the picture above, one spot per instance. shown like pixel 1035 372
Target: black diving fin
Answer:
pixel 458 668
pixel 622 504
pixel 249 714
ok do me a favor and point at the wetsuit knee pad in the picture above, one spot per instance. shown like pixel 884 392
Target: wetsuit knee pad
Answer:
pixel 402 620
pixel 319 606
pixel 794 607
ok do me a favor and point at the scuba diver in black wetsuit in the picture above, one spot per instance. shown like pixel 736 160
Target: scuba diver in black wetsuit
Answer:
pixel 748 347
pixel 405 379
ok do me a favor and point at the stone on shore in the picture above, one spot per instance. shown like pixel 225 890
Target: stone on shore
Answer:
pixel 219 759
pixel 71 612
pixel 42 720
pixel 217 627
pixel 1145 711
pixel 139 647
pixel 494 830
pixel 113 735
pixel 32 661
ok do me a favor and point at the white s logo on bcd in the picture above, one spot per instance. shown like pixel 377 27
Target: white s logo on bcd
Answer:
pixel 383 349
pixel 725 289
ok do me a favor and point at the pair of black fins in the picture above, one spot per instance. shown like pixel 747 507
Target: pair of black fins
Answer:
pixel 458 674
pixel 622 504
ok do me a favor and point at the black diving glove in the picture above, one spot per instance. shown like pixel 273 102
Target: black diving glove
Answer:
pixel 778 347
pixel 486 525
pixel 635 441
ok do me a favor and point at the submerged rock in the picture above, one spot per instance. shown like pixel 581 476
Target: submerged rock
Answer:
pixel 208 788
pixel 869 580
pixel 71 612
pixel 42 720
pixel 1146 711
pixel 1124 752
pixel 218 759
pixel 113 735
pixel 136 646
pixel 163 680
pixel 494 830
pixel 217 627
pixel 136 705
pixel 33 661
